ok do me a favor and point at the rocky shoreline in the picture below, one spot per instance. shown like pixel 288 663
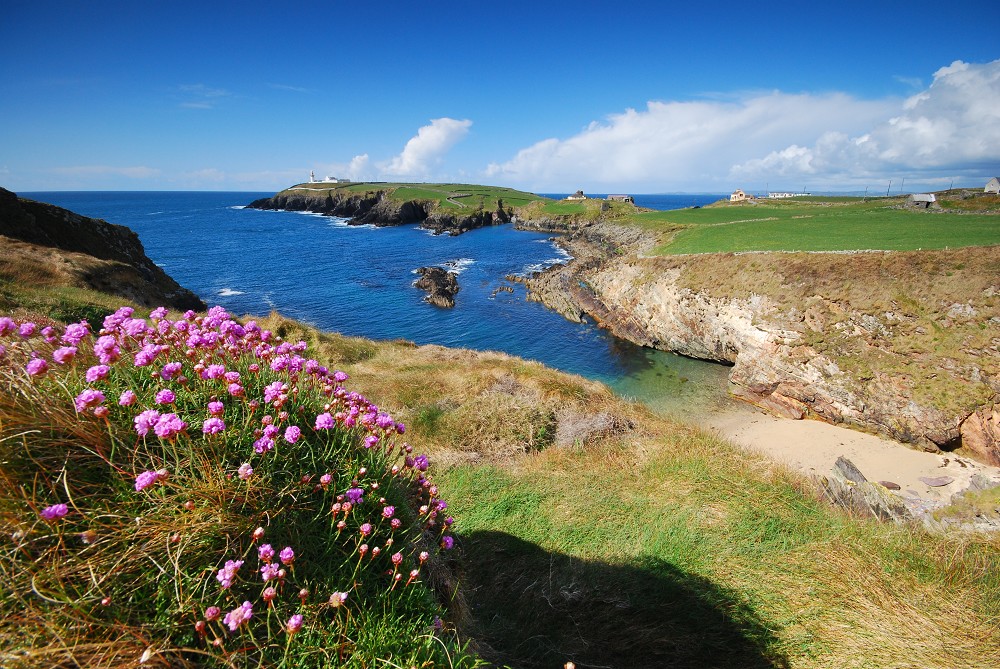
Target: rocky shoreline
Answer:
pixel 377 208
pixel 440 284
pixel 801 341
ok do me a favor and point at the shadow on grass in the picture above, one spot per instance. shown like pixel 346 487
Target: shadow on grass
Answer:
pixel 534 608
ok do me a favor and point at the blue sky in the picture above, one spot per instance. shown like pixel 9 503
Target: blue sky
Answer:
pixel 545 96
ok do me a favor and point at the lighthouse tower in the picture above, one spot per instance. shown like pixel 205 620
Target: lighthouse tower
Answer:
pixel 312 176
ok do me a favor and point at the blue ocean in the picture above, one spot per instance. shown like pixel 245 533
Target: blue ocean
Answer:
pixel 358 280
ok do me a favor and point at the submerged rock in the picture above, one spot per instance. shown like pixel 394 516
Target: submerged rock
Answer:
pixel 440 284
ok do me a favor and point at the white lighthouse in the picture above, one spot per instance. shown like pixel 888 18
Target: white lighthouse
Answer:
pixel 312 176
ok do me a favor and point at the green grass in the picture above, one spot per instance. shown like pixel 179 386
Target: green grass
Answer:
pixel 453 197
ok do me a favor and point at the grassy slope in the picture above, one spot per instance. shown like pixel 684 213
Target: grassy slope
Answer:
pixel 824 224
pixel 457 197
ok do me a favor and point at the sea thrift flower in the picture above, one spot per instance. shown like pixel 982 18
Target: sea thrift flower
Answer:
pixel 269 594
pixel 26 330
pixel 447 542
pixel 245 471
pixel 213 425
pixel 169 425
pixel 258 534
pixel 64 354
pixel 88 398
pixel 106 349
pixel 324 421
pixel 294 623
pixel 340 377
pixel 75 332
pixel 269 571
pixel 287 555
pixel 388 511
pixel 148 478
pixel 397 558
pixel 7 324
pixel 127 398
pixel 216 408
pixel 213 372
pixel 37 367
pixel 54 512
pixel 212 612
pixel 263 445
pixel 366 529
pixel 421 462
pixel 292 434
pixel 396 523
pixel 236 390
pixel 165 396
pixel 158 313
pixel 325 480
pixel 228 572
pixel 145 421
pixel 97 372
pixel 238 616
pixel 265 552
pixel 170 370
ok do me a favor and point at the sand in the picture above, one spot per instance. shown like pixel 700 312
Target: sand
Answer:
pixel 812 448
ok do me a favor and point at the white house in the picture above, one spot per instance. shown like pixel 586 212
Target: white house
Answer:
pixel 577 196
pixel 738 196
pixel 993 186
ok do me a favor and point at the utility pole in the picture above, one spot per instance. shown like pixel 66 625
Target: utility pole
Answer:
pixel 901 185
pixel 865 199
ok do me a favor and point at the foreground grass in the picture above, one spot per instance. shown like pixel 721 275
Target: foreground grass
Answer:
pixel 594 532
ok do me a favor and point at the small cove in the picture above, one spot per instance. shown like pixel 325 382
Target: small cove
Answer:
pixel 357 280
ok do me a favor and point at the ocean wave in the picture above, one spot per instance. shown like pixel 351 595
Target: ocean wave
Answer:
pixel 229 292
pixel 458 265
pixel 238 206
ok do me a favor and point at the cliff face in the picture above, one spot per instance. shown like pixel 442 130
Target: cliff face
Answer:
pixel 59 245
pixel 901 344
pixel 377 208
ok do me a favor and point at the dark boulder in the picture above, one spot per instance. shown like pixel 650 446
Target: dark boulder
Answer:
pixel 440 284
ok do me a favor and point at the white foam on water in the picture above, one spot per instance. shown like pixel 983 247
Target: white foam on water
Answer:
pixel 229 292
pixel 458 265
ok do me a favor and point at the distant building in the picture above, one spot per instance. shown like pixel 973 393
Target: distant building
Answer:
pixel 312 176
pixel 577 196
pixel 621 198
pixel 739 196
pixel 993 186
pixel 921 200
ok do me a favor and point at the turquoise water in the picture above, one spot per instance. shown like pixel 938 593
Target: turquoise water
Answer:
pixel 358 280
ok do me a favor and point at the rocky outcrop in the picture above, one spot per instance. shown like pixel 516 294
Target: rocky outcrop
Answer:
pixel 55 242
pixel 379 208
pixel 440 284
pixel 900 344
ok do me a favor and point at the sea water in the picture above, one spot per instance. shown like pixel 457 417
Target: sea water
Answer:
pixel 358 280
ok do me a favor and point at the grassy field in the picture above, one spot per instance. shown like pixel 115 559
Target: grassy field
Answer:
pixel 588 530
pixel 447 196
pixel 821 224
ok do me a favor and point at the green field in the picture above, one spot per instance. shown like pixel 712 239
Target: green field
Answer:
pixel 817 224
pixel 457 197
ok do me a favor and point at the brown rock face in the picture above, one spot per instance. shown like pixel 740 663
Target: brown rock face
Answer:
pixel 88 252
pixel 981 434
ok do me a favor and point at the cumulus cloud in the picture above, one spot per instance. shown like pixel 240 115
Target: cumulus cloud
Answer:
pixel 427 147
pixel 357 169
pixel 951 129
pixel 679 145
pixel 831 140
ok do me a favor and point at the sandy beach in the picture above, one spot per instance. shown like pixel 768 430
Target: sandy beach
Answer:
pixel 812 448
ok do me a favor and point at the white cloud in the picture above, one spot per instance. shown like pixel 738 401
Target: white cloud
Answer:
pixel 201 96
pixel 951 129
pixel 679 145
pixel 426 148
pixel 357 169
pixel 832 141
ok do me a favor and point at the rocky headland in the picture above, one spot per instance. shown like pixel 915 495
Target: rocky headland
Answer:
pixel 46 244
pixel 440 284
pixel 900 344
pixel 378 207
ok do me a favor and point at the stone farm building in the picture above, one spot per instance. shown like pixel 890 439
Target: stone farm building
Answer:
pixel 621 198
pixel 577 196
pixel 993 186
pixel 739 196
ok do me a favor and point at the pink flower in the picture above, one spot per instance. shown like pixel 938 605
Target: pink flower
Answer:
pixel 325 480
pixel 324 421
pixel 269 594
pixel 213 372
pixel 26 330
pixel 54 512
pixel 75 332
pixel 127 398
pixel 287 555
pixel 366 529
pixel 397 558
pixel 106 349
pixel 235 389
pixel 148 478
pixel 88 398
pixel 213 425
pixel 245 471
pixel 294 623
pixel 170 370
pixel 265 552
pixel 37 367
pixel 388 512
pixel 64 354
pixel 169 425
pixel 292 434
pixel 145 421
pixel 258 534
pixel 158 313
pixel 165 396
pixel 97 372
pixel 238 616
pixel 269 571
pixel 216 408
pixel 228 572
pixel 7 324
pixel 212 612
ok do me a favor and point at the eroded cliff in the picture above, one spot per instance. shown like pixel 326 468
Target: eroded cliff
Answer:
pixel 902 344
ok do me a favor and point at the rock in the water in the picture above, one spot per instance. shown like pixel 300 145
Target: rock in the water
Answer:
pixel 936 481
pixel 440 284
